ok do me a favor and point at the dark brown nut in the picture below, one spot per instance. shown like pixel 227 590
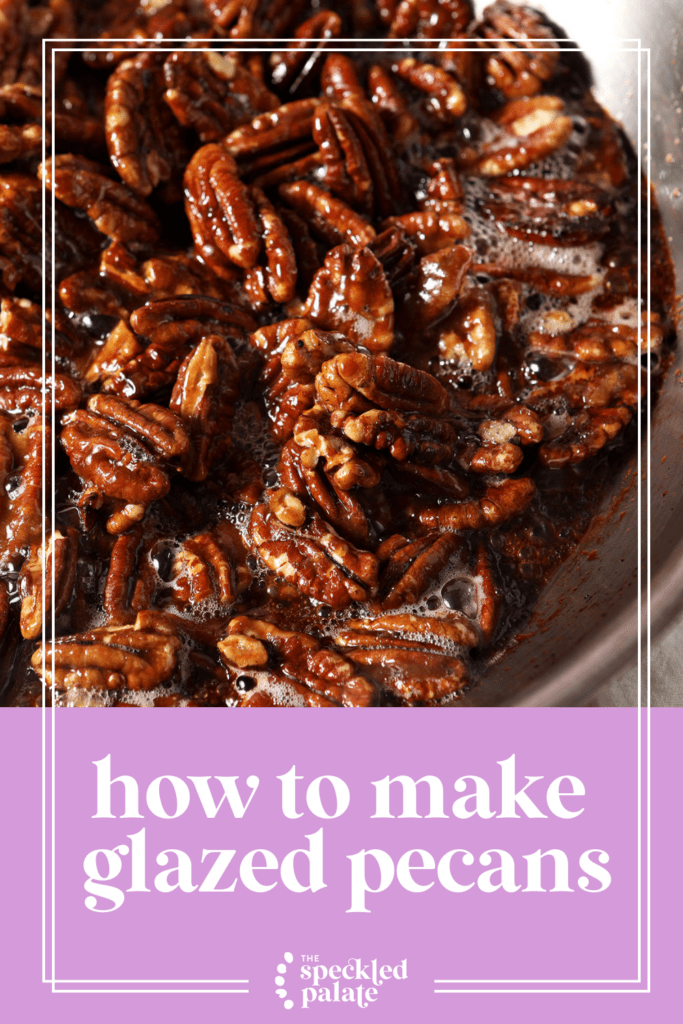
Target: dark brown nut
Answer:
pixel 416 675
pixel 19 140
pixel 25 388
pixel 596 386
pixel 252 644
pixel 210 570
pixel 204 398
pixel 289 376
pixel 143 139
pixel 119 349
pixel 354 382
pixel 467 337
pixel 328 217
pixel 340 82
pixel 114 208
pixel 120 266
pixel 314 558
pixel 117 446
pixel 213 93
pixel 4 609
pixel 280 274
pixel 173 275
pixel 131 580
pixel 421 438
pixel 173 326
pixel 432 230
pixel 412 567
pixel 21 332
pixel 500 503
pixel 350 294
pixel 342 461
pixel 403 127
pixel 430 479
pixel 428 19
pixel 446 97
pixel 21 465
pixel 137 657
pixel 538 278
pixel 588 432
pixel 220 211
pixel 600 341
pixel 433 289
pixel 305 249
pixel 20 231
pixel 344 170
pixel 270 132
pixel 272 339
pixel 236 18
pixel 303 476
pixel 293 69
pixel 396 252
pixel 522 66
pixel 538 126
pixel 408 631
pixel 549 211
pixel 58 558
pixel 89 292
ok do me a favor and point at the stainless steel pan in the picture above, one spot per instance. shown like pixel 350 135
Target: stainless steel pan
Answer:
pixel 585 628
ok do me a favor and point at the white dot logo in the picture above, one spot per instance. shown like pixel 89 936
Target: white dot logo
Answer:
pixel 280 980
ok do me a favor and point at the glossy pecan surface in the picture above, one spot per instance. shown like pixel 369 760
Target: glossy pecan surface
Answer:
pixel 347 346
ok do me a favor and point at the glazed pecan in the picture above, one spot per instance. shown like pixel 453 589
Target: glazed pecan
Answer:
pixel 125 657
pixel 209 569
pixel 411 567
pixel 433 288
pixel 350 293
pixel 403 126
pixel 118 446
pixel 467 337
pixel 21 332
pixel 499 503
pixel 21 471
pixel 529 130
pixel 114 208
pixel 212 92
pixel 57 559
pixel 20 231
pixel 587 433
pixel 549 211
pixel 137 23
pixel 328 217
pixel 293 69
pixel 303 473
pixel 426 19
pixel 446 99
pixel 204 398
pixel 522 66
pixel 172 326
pixel 144 143
pixel 273 656
pixel 402 653
pixel 22 104
pixel 343 463
pixel 25 389
pixel 267 137
pixel 340 82
pixel 313 557
pixel 131 582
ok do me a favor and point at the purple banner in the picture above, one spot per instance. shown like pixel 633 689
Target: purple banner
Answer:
pixel 517 865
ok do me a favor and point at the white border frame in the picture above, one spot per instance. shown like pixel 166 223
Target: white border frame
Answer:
pixel 409 46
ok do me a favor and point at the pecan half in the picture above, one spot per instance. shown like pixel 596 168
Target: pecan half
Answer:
pixel 350 293
pixel 204 398
pixel 538 126
pixel 20 231
pixel 144 143
pixel 137 657
pixel 58 558
pixel 130 584
pixel 522 66
pixel 314 557
pixel 499 503
pixel 328 217
pixel 276 655
pixel 212 92
pixel 114 208
pixel 412 567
